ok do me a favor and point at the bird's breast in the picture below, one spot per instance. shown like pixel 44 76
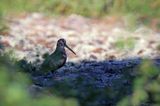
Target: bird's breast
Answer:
pixel 62 62
pixel 64 55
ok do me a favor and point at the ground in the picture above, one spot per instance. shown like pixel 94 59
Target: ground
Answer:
pixel 92 39
pixel 108 53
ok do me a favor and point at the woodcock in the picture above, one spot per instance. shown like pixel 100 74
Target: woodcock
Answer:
pixel 57 59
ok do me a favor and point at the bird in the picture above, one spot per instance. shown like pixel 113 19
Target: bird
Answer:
pixel 57 59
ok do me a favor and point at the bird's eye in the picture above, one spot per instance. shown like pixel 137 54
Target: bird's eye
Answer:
pixel 62 43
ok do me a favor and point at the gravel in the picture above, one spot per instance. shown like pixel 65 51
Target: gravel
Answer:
pixel 92 39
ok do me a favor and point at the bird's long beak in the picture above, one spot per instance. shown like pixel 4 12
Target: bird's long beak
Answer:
pixel 70 49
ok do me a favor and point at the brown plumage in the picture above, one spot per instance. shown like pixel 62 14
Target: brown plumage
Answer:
pixel 57 59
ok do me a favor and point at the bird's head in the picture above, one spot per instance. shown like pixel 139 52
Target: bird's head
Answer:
pixel 62 43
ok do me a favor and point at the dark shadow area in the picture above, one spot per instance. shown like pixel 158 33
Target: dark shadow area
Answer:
pixel 93 83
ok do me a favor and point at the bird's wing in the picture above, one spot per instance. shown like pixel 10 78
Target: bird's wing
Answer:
pixel 56 63
pixel 53 62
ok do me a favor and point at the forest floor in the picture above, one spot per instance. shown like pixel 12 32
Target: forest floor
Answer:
pixel 107 52
pixel 92 39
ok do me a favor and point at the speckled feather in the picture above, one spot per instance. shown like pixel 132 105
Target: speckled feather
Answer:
pixel 57 59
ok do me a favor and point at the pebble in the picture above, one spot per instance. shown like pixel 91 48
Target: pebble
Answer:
pixel 90 39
